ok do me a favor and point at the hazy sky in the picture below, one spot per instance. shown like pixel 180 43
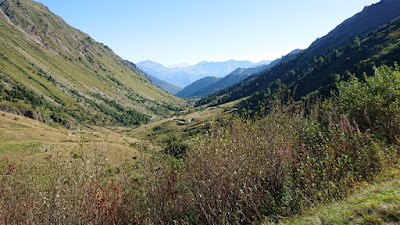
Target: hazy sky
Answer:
pixel 190 31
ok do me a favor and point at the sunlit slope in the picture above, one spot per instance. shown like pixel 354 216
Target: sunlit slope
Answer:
pixel 67 75
pixel 19 143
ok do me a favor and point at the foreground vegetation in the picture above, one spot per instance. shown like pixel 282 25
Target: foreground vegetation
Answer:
pixel 285 160
pixel 372 203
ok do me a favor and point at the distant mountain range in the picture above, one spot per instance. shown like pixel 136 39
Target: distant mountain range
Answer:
pixel 183 76
pixel 369 38
pixel 209 85
pixel 172 89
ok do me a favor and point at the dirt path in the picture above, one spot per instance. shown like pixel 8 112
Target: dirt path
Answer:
pixel 197 115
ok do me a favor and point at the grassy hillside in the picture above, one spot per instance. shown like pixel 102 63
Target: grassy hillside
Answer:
pixel 19 144
pixel 61 73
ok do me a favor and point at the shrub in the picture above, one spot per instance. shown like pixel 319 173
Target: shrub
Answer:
pixel 64 192
pixel 276 165
pixel 331 159
pixel 375 103
pixel 239 173
pixel 175 147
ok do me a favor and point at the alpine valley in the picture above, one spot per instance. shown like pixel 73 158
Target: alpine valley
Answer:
pixel 87 137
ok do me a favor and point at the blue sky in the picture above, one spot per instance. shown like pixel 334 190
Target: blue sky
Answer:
pixel 190 31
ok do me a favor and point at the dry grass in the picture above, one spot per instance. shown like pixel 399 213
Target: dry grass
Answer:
pixel 200 121
pixel 63 192
pixel 26 139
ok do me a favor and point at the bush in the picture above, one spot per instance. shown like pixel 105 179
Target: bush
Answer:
pixel 268 167
pixel 175 147
pixel 273 165
pixel 64 192
pixel 331 159
pixel 375 103
pixel 239 173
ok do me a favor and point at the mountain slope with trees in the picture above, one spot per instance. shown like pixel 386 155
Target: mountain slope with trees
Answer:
pixel 316 75
pixel 55 73
pixel 368 20
pixel 209 85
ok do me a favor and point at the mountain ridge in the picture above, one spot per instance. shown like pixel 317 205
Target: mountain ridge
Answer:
pixel 369 19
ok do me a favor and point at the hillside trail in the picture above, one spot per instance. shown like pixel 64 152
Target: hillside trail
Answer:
pixel 181 121
pixel 192 118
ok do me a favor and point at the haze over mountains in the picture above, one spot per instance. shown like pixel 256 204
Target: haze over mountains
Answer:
pixel 209 85
pixel 183 76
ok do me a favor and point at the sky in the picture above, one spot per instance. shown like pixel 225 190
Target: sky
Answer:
pixel 172 32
